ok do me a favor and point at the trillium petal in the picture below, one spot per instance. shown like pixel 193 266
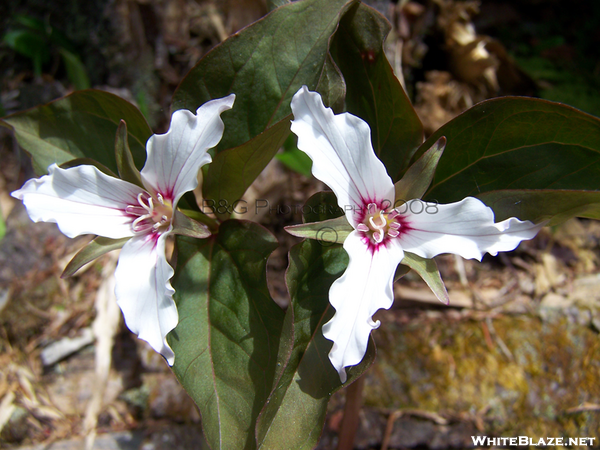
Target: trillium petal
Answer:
pixel 81 200
pixel 465 228
pixel 144 292
pixel 364 288
pixel 341 151
pixel 175 157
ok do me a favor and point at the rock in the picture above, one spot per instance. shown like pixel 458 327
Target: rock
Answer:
pixel 518 375
pixel 16 428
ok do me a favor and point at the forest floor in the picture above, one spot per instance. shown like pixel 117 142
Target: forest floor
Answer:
pixel 517 352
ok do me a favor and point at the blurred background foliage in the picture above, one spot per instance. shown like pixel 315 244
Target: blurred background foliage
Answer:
pixel 450 55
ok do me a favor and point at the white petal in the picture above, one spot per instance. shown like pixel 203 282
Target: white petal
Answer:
pixel 341 151
pixel 465 228
pixel 175 157
pixel 81 200
pixel 364 288
pixel 144 292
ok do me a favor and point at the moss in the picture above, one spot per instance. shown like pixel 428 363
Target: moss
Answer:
pixel 453 367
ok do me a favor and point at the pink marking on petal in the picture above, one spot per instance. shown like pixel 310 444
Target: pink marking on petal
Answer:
pixel 362 227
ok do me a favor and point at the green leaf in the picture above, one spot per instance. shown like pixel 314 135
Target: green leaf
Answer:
pixel 234 169
pixel 428 271
pixel 31 44
pixel 293 158
pixel 273 4
pixel 545 155
pixel 373 91
pixel 76 72
pixel 96 248
pixel 264 65
pixel 321 206
pixel 418 177
pixel 227 339
pixel 296 160
pixel 554 206
pixel 332 231
pixel 32 22
pixel 332 86
pixel 82 124
pixel 124 158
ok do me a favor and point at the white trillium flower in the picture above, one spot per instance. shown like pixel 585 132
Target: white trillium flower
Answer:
pixel 84 200
pixel 343 158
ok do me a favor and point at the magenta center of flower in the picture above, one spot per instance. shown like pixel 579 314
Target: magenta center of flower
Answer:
pixel 153 213
pixel 379 224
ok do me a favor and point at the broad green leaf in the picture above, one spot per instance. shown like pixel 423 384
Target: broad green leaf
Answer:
pixel 428 271
pixel 227 339
pixel 76 72
pixel 124 158
pixel 96 248
pixel 273 4
pixel 233 170
pixel 373 92
pixel 82 124
pixel 321 206
pixel 546 155
pixel 554 206
pixel 294 416
pixel 264 65
pixel 418 177
pixel 293 158
pixel 331 231
pixel 296 160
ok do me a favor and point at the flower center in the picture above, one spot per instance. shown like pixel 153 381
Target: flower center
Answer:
pixel 153 213
pixel 379 224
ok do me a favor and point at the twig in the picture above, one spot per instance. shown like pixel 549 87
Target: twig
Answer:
pixel 585 407
pixel 350 420
pixel 105 328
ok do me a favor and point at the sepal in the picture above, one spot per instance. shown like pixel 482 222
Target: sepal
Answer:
pixel 185 226
pixel 418 177
pixel 94 249
pixel 125 163
pixel 88 162
pixel 428 271
pixel 334 231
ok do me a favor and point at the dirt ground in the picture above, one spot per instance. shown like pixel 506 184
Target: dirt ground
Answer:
pixel 516 353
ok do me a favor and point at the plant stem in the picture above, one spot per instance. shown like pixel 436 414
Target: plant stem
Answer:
pixel 350 420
